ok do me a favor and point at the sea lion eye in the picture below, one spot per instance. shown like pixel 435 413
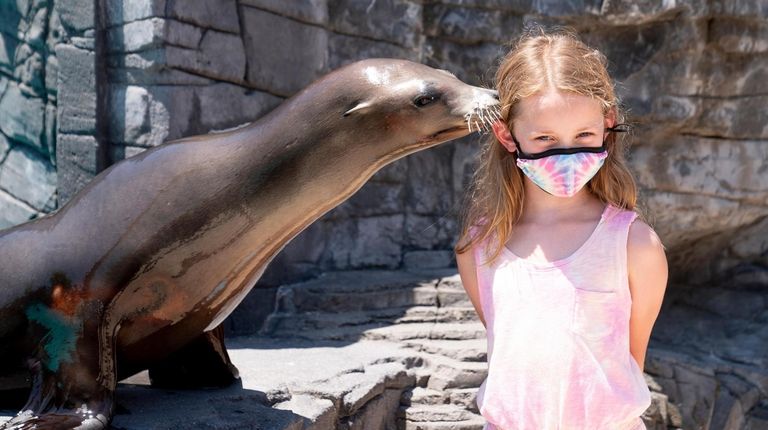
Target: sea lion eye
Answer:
pixel 426 99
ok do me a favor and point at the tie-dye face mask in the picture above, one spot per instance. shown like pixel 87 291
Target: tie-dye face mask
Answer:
pixel 563 172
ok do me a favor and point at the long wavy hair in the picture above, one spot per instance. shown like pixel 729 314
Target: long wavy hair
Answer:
pixel 538 61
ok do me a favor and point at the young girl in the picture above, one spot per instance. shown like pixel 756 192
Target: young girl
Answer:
pixel 565 276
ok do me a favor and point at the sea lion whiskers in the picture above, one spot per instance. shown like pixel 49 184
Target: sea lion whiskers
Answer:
pixel 483 116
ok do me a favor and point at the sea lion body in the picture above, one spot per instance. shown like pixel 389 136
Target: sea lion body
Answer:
pixel 157 250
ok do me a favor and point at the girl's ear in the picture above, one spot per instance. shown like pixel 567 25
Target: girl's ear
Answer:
pixel 610 118
pixel 503 135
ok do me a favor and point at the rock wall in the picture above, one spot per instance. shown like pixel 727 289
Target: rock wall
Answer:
pixel 29 32
pixel 132 75
pixel 49 112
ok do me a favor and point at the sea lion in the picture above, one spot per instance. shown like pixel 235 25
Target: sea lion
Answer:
pixel 140 267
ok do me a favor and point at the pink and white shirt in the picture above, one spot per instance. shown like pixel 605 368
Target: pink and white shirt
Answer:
pixel 558 337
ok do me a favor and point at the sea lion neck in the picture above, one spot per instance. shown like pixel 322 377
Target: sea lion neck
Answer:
pixel 313 133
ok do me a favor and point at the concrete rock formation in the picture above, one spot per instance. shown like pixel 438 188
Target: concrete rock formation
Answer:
pixel 83 86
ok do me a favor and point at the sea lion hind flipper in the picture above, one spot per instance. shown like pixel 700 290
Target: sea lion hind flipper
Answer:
pixel 204 362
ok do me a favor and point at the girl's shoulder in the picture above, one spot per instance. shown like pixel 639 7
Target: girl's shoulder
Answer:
pixel 618 214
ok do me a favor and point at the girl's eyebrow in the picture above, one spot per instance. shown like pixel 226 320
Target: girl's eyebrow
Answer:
pixel 586 127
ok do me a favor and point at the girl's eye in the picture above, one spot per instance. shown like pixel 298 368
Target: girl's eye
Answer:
pixel 585 134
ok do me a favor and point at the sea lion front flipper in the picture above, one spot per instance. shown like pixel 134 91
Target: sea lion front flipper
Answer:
pixel 204 362
pixel 73 379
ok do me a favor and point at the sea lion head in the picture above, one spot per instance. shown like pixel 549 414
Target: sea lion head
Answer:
pixel 399 106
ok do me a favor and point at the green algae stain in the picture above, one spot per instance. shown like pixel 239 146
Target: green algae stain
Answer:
pixel 60 341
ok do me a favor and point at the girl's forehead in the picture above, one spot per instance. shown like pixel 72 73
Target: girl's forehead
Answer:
pixel 558 100
pixel 559 109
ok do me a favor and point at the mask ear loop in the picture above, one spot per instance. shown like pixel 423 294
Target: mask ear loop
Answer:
pixel 619 128
pixel 517 145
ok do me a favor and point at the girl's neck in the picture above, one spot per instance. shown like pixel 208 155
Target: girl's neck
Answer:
pixel 542 207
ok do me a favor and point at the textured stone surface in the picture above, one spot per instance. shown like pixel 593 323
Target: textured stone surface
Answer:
pixel 26 173
pixel 297 52
pixel 77 164
pixel 77 96
pixel 684 71
pixel 221 15
pixel 120 11
pixel 23 116
pixel 309 11
pixel 29 68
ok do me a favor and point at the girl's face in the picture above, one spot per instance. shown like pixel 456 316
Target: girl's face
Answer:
pixel 555 120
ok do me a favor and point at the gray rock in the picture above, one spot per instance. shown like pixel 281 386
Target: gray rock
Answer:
pixel 220 55
pixel 37 28
pixel 343 49
pixel 132 118
pixel 429 231
pixel 393 21
pixel 638 13
pixel 120 12
pixel 221 15
pixel 739 36
pixel 182 34
pixel 373 198
pixel 427 259
pixel 222 105
pixel 721 118
pixel 76 90
pixel 28 176
pixel 471 25
pixel 384 234
pixel 13 211
pixel 5 147
pixel 310 11
pixel 76 159
pixel 22 115
pixel 313 411
pixel 136 35
pixel 471 63
pixel 76 15
pixel 297 53
pixel 8 47
pixel 30 72
pixel 429 175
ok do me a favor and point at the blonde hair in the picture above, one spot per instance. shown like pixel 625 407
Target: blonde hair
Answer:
pixel 537 62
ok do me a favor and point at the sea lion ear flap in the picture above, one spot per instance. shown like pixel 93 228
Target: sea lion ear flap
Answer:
pixel 358 107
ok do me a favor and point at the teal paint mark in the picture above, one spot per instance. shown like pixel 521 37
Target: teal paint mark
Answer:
pixel 60 341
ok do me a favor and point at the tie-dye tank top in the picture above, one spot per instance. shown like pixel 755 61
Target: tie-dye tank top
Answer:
pixel 558 337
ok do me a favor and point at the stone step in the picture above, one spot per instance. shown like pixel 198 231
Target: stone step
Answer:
pixel 423 396
pixel 392 332
pixel 462 350
pixel 448 373
pixel 441 417
pixel 357 290
pixel 464 397
pixel 472 424
pixel 311 320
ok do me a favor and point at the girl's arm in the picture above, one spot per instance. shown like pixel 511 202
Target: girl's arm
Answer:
pixel 647 271
pixel 468 275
